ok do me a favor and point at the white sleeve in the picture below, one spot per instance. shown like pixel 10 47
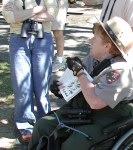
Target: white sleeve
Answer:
pixel 8 15
pixel 113 87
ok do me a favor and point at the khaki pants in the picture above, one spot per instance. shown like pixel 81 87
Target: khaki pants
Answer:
pixel 60 20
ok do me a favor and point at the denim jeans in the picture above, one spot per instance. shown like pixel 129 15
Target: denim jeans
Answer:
pixel 31 67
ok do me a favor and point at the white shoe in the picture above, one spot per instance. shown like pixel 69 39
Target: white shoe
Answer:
pixel 56 66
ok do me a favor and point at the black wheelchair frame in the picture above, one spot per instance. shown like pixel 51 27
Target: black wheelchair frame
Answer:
pixel 122 136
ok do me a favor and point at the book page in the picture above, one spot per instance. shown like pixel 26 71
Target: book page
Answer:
pixel 67 77
pixel 71 84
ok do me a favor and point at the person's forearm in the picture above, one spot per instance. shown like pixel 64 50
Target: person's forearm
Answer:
pixel 44 16
pixel 21 15
pixel 88 90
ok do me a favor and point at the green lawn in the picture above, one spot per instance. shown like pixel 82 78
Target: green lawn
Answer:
pixel 6 93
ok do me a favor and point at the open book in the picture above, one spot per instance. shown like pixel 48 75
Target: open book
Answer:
pixel 71 84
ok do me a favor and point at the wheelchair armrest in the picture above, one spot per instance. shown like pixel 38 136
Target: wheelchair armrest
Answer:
pixel 118 125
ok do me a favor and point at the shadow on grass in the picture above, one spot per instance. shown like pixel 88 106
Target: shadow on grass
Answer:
pixel 6 93
pixel 8 134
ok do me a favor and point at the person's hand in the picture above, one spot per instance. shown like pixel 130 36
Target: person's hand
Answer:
pixel 42 7
pixel 39 9
pixel 54 88
pixel 42 15
pixel 74 64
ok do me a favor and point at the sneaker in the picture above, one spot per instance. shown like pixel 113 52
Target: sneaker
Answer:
pixel 56 66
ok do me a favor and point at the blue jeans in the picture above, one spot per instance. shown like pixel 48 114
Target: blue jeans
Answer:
pixel 31 67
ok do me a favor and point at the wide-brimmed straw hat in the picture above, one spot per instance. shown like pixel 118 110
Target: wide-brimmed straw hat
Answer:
pixel 120 33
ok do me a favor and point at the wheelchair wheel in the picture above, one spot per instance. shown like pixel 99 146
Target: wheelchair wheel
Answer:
pixel 125 142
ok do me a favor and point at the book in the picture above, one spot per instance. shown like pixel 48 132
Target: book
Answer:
pixel 71 85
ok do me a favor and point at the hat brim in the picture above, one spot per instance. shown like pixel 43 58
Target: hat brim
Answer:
pixel 120 49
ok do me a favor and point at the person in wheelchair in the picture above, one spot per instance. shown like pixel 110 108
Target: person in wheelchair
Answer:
pixel 106 100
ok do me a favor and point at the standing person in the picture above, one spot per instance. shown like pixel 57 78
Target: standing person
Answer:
pixel 31 51
pixel 120 8
pixel 57 28
pixel 108 95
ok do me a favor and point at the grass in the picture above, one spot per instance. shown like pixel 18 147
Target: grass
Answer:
pixel 6 93
pixel 8 136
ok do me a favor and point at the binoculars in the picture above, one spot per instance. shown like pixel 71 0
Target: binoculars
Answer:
pixel 32 27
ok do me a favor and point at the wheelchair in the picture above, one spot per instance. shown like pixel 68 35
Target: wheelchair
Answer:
pixel 122 136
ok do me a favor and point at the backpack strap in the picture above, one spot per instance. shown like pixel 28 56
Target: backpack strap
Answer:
pixel 100 67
